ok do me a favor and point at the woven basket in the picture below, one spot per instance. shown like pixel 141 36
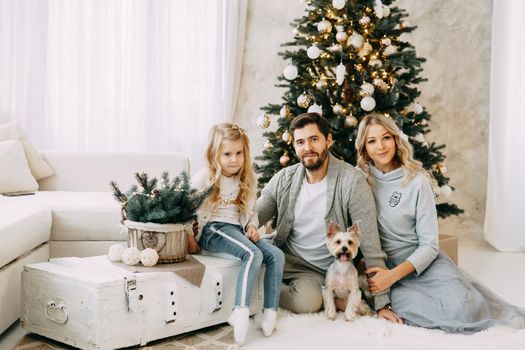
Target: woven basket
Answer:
pixel 169 240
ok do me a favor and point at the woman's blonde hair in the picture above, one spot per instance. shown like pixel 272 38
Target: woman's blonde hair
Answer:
pixel 404 156
pixel 231 132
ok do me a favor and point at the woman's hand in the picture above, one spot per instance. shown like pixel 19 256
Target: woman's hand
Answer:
pixel 192 246
pixel 252 233
pixel 389 315
pixel 381 281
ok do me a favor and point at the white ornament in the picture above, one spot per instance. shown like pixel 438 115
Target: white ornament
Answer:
pixel 290 72
pixel 337 109
pixel 313 52
pixel 149 257
pixel 419 137
pixel 315 108
pixel 115 252
pixel 364 20
pixel 285 136
pixel 417 108
pixel 385 41
pixel 375 63
pixel 324 26
pixel 389 50
pixel 338 4
pixel 446 190
pixel 443 169
pixel 368 103
pixel 386 11
pixel 403 136
pixel 341 37
pixel 295 32
pixel 131 256
pixel 367 89
pixel 335 48
pixel 267 145
pixel 356 41
pixel 378 8
pixel 284 111
pixel 321 84
pixel 340 73
pixel 365 50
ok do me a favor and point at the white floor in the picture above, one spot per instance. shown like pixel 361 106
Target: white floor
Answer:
pixel 502 272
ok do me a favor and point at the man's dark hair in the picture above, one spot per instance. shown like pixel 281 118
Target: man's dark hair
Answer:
pixel 304 119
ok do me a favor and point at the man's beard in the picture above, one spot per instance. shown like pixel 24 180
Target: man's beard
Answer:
pixel 317 164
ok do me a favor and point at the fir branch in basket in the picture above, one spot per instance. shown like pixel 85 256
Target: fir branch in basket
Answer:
pixel 170 202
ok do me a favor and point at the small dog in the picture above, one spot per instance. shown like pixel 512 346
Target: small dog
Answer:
pixel 341 278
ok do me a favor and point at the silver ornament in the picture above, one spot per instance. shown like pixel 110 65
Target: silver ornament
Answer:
pixel 304 100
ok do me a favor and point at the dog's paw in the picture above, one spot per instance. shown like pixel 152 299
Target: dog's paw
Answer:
pixel 331 315
pixel 350 317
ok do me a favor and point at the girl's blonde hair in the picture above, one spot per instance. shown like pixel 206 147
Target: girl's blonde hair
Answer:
pixel 404 156
pixel 231 132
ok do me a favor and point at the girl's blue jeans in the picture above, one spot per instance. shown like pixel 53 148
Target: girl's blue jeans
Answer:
pixel 228 238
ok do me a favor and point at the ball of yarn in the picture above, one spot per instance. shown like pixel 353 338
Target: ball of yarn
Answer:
pixel 131 256
pixel 149 257
pixel 115 252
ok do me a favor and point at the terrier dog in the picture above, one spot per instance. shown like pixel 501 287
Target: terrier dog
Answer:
pixel 341 278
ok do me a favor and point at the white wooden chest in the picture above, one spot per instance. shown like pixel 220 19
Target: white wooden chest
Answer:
pixel 90 303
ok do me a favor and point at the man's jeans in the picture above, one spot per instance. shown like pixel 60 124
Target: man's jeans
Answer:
pixel 228 238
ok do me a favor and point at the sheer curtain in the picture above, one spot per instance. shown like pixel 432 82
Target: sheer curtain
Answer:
pixel 128 75
pixel 504 226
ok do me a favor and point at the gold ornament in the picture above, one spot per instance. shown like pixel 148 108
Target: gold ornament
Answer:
pixel 324 26
pixel 380 84
pixel 358 67
pixel 365 50
pixel 321 84
pixel 304 100
pixel 286 137
pixel 338 109
pixel 364 20
pixel 351 121
pixel 284 159
pixel 264 121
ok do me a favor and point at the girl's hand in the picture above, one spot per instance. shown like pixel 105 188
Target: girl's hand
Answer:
pixel 192 246
pixel 252 233
pixel 381 281
pixel 389 315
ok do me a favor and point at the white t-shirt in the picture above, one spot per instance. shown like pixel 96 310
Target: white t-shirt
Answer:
pixel 226 210
pixel 308 236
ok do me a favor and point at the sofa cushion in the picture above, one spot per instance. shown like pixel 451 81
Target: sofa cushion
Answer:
pixel 79 216
pixel 15 175
pixel 22 228
pixel 39 167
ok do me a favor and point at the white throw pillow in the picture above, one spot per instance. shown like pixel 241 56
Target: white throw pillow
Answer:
pixel 15 175
pixel 38 166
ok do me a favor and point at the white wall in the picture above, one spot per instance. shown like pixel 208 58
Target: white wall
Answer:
pixel 454 36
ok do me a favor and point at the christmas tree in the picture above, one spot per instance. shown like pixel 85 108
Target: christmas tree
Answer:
pixel 347 59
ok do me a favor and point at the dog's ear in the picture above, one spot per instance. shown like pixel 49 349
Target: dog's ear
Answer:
pixel 355 229
pixel 332 229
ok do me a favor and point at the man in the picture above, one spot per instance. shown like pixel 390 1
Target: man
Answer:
pixel 305 198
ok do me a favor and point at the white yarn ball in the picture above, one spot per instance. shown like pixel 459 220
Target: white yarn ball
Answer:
pixel 131 256
pixel 368 103
pixel 313 52
pixel 149 257
pixel 315 108
pixel 338 4
pixel 446 190
pixel 290 72
pixel 115 252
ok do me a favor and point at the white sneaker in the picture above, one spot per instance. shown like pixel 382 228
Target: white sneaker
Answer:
pixel 239 320
pixel 268 321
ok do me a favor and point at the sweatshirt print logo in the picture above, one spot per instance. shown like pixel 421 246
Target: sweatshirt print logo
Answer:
pixel 395 198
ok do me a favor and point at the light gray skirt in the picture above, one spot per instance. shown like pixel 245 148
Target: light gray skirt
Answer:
pixel 442 297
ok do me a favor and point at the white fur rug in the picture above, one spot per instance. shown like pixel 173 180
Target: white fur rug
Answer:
pixel 314 331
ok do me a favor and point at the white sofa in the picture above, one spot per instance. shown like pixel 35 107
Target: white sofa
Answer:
pixel 72 214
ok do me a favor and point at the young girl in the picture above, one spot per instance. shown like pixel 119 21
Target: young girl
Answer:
pixel 427 289
pixel 228 219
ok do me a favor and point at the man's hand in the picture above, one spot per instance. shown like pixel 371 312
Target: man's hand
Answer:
pixel 389 315
pixel 381 281
pixel 192 246
pixel 252 233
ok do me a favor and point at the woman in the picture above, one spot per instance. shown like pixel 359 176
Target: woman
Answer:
pixel 427 289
